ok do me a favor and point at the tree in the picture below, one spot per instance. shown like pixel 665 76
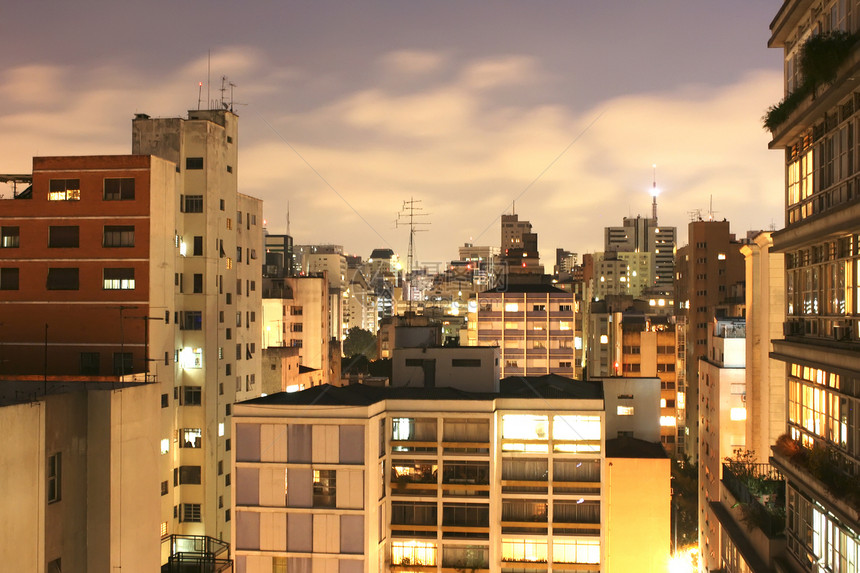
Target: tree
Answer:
pixel 359 342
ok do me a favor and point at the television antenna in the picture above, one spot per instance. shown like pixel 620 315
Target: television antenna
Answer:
pixel 407 216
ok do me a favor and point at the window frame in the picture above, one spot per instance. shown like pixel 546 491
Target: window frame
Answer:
pixel 122 192
pixel 121 236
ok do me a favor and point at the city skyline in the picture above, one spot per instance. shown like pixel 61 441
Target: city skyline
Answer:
pixel 347 111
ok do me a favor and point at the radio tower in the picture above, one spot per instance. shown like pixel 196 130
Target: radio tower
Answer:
pixel 407 216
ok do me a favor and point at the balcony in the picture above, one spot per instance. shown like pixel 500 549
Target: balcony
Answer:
pixel 818 471
pixel 760 491
pixel 194 554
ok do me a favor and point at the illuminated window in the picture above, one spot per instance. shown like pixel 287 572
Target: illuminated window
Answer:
pixel 421 553
pixel 228 263
pixel 564 325
pixel 577 551
pixel 165 446
pixel 401 428
pixel 662 402
pixel 667 421
pixel 624 410
pixel 511 307
pixel 191 438
pixel 220 429
pixel 604 339
pixel 682 400
pixel 65 190
pixel 325 488
pixel 524 427
pixel 163 528
pixel 721 257
pixel 191 357
pixel 118 279
pixel 531 550
pixel 9 237
pixel 738 414
pixel 511 325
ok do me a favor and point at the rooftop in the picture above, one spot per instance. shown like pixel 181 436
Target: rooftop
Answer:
pixel 550 386
pixel 634 448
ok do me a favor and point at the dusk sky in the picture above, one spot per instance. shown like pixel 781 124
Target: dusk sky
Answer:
pixel 349 108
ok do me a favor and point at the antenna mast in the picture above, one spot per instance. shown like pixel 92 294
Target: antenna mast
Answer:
pixel 654 195
pixel 407 216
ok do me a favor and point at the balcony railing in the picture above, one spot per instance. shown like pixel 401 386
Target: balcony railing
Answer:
pixel 761 491
pixel 195 554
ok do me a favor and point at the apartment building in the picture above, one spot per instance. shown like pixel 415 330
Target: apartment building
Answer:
pixel 538 328
pixel 80 474
pixel 815 127
pixel 706 270
pixel 654 244
pixel 146 264
pixel 722 431
pixel 486 476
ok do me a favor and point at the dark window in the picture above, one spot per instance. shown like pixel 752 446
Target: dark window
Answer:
pixel 198 246
pixel 9 279
pixel 90 363
pixel 228 369
pixel 65 190
pixel 164 488
pixel 222 204
pixel 120 189
pixel 229 169
pixel 198 282
pixel 54 473
pixel 227 409
pixel 122 363
pixel 118 279
pixel 63 236
pixel 192 396
pixel 118 236
pixel 297 327
pixel 193 163
pixel 62 279
pixel 226 515
pixel 165 401
pixel 414 362
pixel 9 237
pixel 189 474
pixel 190 512
pixel 466 362
pixel 191 320
pixel 227 479
pixel 192 204
pixel 238 254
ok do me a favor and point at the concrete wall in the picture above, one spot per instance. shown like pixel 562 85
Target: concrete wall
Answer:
pixel 638 515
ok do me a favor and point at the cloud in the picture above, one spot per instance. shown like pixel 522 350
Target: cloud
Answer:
pixel 346 162
pixel 413 62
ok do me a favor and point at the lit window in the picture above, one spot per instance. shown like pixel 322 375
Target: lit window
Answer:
pixel 9 237
pixel 192 437
pixel 65 190
pixel 118 279
pixel 220 429
pixel 681 401
pixel 604 339
pixel 163 528
pixel 624 410
pixel 511 307
pixel 563 325
pixel 531 550
pixel 524 427
pixel 165 446
pixel 191 357
pixel 721 257
pixel 422 553
pixel 662 402
pixel 578 551
pixel 738 414
pixel 667 421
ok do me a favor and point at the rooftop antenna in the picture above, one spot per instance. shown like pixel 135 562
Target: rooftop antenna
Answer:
pixel 223 90
pixel 406 216
pixel 695 215
pixel 199 95
pixel 711 211
pixel 288 217
pixel 209 77
pixel 654 193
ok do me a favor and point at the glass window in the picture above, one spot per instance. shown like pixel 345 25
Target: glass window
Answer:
pixel 324 488
pixel 118 279
pixel 191 438
pixel 65 190
pixel 63 236
pixel 118 236
pixel 9 237
pixel 55 477
pixel 119 189
pixel 62 279
pixel 9 278
pixel 192 204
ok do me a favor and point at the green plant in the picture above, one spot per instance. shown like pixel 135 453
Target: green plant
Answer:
pixel 819 60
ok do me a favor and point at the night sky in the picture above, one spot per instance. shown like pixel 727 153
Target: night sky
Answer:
pixel 349 108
